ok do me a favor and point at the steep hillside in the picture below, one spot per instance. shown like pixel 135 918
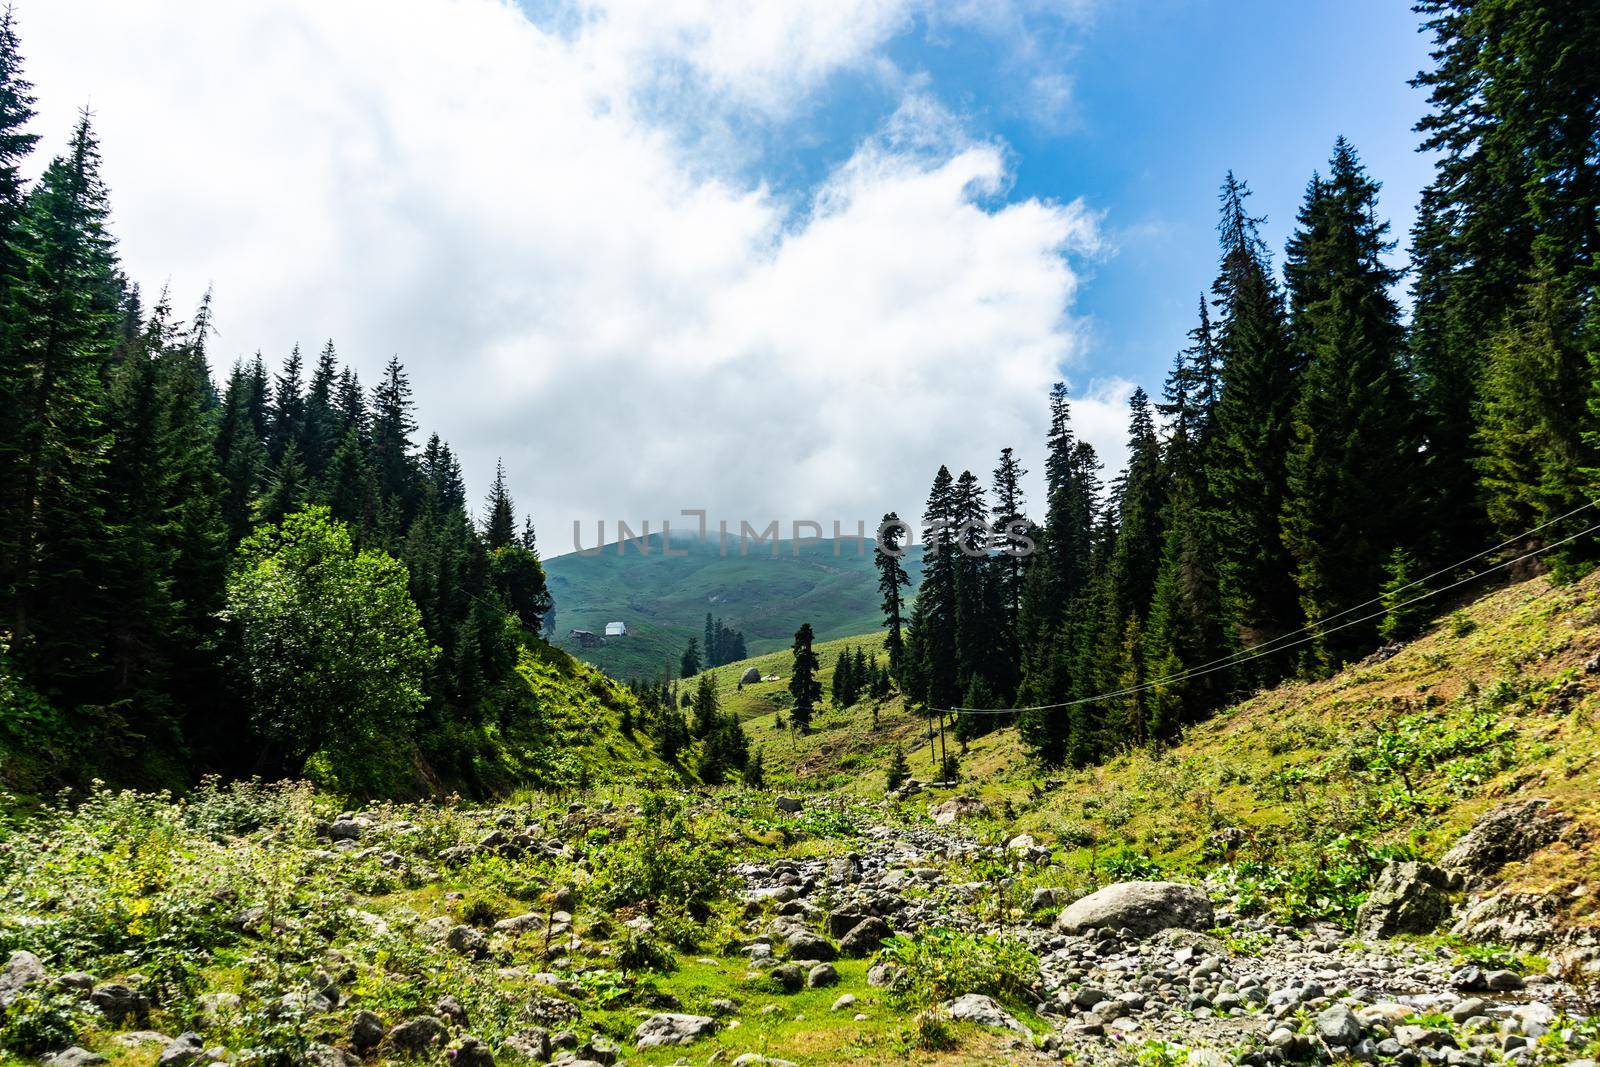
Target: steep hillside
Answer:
pixel 560 728
pixel 664 599
pixel 1498 701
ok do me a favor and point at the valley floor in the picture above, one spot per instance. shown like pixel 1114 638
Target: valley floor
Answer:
pixel 1393 865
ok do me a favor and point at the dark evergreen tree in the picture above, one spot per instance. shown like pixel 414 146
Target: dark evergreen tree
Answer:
pixel 1349 472
pixel 63 320
pixel 689 662
pixel 892 578
pixel 500 519
pixel 1515 94
pixel 321 433
pixel 1254 429
pixel 288 411
pixel 392 425
pixel 803 683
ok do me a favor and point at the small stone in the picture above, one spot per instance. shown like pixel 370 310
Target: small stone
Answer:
pixel 848 1000
pixel 182 1050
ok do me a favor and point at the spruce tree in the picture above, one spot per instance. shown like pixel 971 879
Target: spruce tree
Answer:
pixel 63 316
pixel 500 519
pixel 1349 471
pixel 321 433
pixel 16 111
pixel 689 662
pixel 934 675
pixel 892 578
pixel 803 683
pixel 1536 441
pixel 1011 564
pixel 288 411
pixel 1254 429
pixel 392 425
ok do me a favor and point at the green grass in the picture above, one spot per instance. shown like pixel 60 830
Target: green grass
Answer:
pixel 664 599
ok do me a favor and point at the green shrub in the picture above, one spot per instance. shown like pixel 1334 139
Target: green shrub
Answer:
pixel 939 963
pixel 39 1021
pixel 667 863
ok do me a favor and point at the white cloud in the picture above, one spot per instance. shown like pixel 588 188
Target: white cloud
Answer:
pixel 633 326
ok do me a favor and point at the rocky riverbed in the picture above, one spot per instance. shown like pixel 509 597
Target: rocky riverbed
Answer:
pixel 247 928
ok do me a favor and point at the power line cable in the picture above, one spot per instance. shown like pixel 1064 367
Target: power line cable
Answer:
pixel 1268 647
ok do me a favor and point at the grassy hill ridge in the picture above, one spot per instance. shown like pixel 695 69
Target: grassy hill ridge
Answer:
pixel 765 591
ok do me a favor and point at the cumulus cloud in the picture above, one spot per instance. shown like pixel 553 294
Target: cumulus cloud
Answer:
pixel 635 327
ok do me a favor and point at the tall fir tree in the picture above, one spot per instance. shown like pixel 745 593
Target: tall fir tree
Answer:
pixel 1254 427
pixel 63 313
pixel 892 578
pixel 500 518
pixel 1349 472
pixel 804 686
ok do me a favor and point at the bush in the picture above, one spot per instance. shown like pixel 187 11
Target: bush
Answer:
pixel 667 863
pixel 938 963
pixel 41 1021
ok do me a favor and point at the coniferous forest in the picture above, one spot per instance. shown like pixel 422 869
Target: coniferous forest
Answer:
pixel 149 587
pixel 1313 454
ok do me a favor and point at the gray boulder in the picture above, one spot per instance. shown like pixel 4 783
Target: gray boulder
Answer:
pixel 416 1038
pixel 21 971
pixel 75 1057
pixel 957 808
pixel 789 804
pixel 366 1031
pixel 1510 832
pixel 530 1044
pixel 1519 919
pixel 672 1028
pixel 1142 907
pixel 805 945
pixel 985 1011
pixel 821 976
pixel 865 938
pixel 1338 1027
pixel 472 1053
pixel 1408 898
pixel 118 1002
pixel 182 1050
pixel 750 676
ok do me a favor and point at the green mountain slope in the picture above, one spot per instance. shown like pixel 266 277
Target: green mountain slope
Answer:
pixel 664 599
pixel 1498 701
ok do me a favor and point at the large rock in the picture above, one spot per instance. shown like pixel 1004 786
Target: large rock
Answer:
pixel 21 971
pixel 75 1056
pixel 866 937
pixel 182 1050
pixel 1142 907
pixel 957 808
pixel 672 1028
pixel 1338 1027
pixel 1509 833
pixel 416 1038
pixel 985 1011
pixel 750 676
pixel 1408 898
pixel 1522 920
pixel 805 945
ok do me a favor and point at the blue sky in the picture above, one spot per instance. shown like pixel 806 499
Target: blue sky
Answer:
pixel 776 259
pixel 1162 98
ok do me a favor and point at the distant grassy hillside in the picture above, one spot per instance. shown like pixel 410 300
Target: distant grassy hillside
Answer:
pixel 1497 701
pixel 664 599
